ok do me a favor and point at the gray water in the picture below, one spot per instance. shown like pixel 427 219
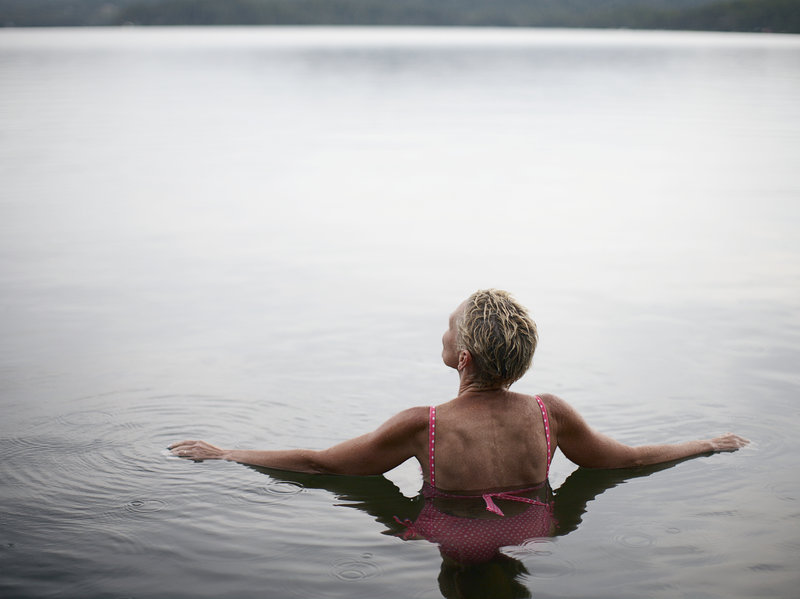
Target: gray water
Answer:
pixel 255 236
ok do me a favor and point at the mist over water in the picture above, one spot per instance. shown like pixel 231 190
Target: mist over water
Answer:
pixel 255 236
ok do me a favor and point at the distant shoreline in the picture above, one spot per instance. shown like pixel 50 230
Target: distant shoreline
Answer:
pixel 751 16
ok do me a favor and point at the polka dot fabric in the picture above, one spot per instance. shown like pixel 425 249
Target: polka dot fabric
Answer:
pixel 476 540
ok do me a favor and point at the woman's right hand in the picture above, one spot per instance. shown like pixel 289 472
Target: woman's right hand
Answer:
pixel 728 442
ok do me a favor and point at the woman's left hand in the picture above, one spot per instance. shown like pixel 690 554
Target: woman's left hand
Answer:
pixel 197 450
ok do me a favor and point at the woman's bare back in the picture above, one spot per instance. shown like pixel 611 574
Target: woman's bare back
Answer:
pixel 490 440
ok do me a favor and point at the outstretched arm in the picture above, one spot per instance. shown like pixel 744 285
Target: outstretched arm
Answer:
pixel 399 438
pixel 586 447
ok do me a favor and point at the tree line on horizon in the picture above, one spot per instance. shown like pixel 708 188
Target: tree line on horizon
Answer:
pixel 779 16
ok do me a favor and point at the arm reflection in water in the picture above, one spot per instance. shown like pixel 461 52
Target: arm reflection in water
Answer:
pixel 465 571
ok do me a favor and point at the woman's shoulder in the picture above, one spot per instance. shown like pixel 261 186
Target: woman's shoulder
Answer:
pixel 548 399
pixel 411 418
pixel 562 415
pixel 557 408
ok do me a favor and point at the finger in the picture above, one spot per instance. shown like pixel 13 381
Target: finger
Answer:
pixel 182 450
pixel 181 444
pixel 184 453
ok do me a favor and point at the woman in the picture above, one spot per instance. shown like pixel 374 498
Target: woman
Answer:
pixel 488 441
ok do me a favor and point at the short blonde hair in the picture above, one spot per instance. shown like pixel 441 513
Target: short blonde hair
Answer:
pixel 499 334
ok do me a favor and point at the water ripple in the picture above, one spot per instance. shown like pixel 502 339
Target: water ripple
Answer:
pixel 86 418
pixel 785 491
pixel 634 540
pixel 356 569
pixel 272 492
pixel 541 559
pixel 548 565
pixel 145 506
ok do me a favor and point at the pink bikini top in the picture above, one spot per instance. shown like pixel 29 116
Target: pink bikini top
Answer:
pixel 488 497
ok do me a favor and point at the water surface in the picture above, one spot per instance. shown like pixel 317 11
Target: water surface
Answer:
pixel 255 236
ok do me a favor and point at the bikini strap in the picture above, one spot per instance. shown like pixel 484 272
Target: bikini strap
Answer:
pixel 546 431
pixel 492 507
pixel 431 440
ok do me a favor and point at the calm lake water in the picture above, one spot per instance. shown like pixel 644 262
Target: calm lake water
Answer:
pixel 255 236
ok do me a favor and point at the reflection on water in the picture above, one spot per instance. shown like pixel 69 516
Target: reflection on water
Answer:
pixel 255 236
pixel 489 562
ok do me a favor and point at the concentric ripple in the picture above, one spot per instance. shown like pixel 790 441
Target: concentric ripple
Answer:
pixel 357 569
pixel 548 565
pixel 272 492
pixel 635 540
pixel 145 506
pixel 86 418
pixel 541 559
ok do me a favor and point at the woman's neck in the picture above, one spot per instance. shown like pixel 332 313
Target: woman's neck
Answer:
pixel 468 387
